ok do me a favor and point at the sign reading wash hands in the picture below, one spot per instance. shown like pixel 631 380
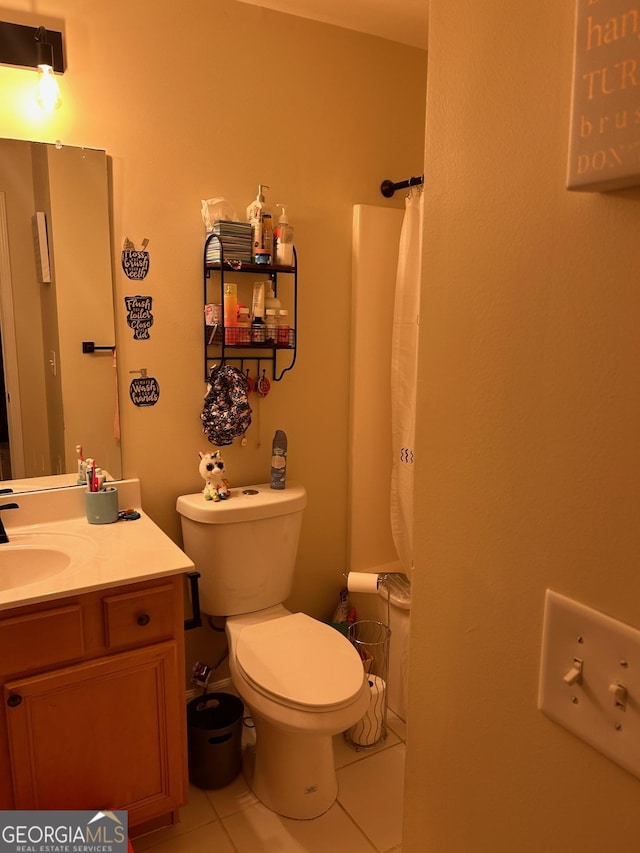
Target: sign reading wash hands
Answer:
pixel 604 149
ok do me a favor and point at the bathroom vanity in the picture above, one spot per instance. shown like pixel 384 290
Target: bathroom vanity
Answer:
pixel 92 670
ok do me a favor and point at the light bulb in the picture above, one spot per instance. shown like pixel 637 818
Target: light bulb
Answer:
pixel 47 91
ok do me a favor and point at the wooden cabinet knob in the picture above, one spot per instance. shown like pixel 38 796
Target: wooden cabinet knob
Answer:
pixel 143 619
pixel 14 700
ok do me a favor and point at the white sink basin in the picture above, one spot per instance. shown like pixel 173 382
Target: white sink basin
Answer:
pixel 33 557
pixel 22 566
pixel 53 552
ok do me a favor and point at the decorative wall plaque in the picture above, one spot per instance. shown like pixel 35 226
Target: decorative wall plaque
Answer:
pixel 139 316
pixel 144 391
pixel 135 262
pixel 604 148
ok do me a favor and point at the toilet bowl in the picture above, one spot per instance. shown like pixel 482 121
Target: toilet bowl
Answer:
pixel 302 684
pixel 301 680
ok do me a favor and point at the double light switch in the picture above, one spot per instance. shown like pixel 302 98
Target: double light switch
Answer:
pixel 590 678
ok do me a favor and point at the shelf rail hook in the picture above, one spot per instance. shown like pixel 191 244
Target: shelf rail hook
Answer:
pixel 89 346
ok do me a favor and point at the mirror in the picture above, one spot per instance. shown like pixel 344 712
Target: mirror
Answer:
pixel 56 291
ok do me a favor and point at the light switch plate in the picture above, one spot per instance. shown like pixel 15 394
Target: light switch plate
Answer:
pixel 601 704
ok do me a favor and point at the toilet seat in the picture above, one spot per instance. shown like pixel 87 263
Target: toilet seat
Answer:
pixel 300 662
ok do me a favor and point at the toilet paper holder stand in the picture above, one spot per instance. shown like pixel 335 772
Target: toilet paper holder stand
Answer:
pixel 371 640
pixel 382 581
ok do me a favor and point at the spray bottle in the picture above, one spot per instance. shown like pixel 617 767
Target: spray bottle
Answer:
pixel 279 459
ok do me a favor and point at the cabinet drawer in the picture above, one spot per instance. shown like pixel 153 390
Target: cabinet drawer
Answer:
pixel 135 618
pixel 37 640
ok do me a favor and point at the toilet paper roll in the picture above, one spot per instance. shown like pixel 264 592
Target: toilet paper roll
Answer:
pixel 362 582
pixel 370 728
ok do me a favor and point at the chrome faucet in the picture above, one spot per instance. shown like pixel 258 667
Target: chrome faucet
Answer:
pixel 3 532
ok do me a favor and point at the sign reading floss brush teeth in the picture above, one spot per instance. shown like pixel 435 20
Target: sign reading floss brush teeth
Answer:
pixel 135 262
pixel 139 316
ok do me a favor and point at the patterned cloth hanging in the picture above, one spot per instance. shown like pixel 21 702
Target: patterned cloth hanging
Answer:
pixel 226 413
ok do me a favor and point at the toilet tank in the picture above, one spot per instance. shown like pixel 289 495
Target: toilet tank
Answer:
pixel 244 547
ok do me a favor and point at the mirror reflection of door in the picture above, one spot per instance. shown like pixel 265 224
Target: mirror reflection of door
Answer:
pixel 52 315
pixel 11 448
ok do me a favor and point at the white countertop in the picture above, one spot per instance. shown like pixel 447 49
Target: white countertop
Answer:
pixel 110 554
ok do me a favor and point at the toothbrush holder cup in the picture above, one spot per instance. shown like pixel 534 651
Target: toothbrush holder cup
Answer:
pixel 102 506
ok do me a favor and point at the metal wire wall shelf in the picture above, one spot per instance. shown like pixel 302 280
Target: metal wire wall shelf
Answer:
pixel 224 343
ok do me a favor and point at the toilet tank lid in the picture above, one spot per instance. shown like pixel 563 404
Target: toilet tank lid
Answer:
pixel 246 503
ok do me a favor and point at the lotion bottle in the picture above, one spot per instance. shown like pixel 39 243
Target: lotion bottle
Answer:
pixel 284 239
pixel 270 300
pixel 254 215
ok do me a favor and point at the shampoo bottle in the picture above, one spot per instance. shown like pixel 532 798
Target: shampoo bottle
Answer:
pixel 279 460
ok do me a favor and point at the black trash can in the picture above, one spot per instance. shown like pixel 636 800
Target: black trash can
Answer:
pixel 214 735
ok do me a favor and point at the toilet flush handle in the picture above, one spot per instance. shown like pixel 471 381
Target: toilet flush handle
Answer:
pixel 196 619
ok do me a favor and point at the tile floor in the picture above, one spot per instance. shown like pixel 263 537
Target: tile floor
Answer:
pixel 366 818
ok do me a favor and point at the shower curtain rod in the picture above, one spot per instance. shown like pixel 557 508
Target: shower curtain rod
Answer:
pixel 387 188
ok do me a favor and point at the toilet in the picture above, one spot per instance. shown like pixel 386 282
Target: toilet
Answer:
pixel 301 680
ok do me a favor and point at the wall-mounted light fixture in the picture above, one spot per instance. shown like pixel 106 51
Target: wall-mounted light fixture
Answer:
pixel 35 47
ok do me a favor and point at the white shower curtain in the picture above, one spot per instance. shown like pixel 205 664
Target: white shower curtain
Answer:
pixel 404 368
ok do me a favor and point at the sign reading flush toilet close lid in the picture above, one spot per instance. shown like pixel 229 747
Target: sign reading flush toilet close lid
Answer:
pixel 300 660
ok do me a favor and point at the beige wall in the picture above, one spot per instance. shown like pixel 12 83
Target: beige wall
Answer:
pixel 211 101
pixel 528 466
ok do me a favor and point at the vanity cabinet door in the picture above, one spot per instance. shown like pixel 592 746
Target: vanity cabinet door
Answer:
pixel 107 733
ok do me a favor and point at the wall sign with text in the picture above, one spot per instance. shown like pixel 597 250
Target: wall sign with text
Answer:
pixel 144 391
pixel 139 316
pixel 135 262
pixel 604 147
